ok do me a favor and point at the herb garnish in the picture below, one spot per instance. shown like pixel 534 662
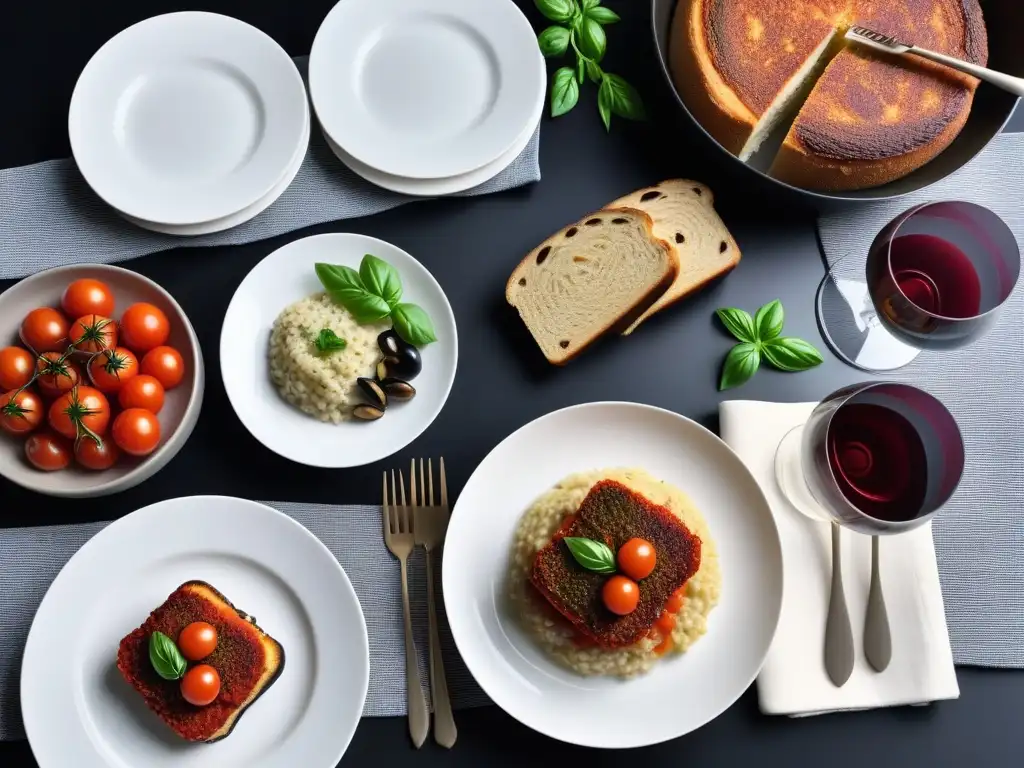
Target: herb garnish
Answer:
pixel 760 336
pixel 165 657
pixel 593 555
pixel 582 27
pixel 375 293
pixel 327 341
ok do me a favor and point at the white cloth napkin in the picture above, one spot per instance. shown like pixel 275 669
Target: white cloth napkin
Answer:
pixel 793 680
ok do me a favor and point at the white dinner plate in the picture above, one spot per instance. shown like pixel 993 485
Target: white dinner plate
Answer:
pixel 235 219
pixel 288 275
pixel 436 187
pixel 425 89
pixel 79 711
pixel 680 693
pixel 186 118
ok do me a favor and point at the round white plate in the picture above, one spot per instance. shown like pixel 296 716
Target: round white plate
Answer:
pixel 186 118
pixel 79 711
pixel 286 276
pixel 681 693
pixel 436 187
pixel 235 219
pixel 425 89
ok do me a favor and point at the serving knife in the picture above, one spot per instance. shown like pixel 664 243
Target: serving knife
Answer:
pixel 888 44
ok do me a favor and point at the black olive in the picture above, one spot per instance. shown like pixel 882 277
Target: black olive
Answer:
pixel 373 391
pixel 398 389
pixel 367 412
pixel 390 342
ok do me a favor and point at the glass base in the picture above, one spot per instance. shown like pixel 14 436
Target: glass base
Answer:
pixel 850 324
pixel 790 476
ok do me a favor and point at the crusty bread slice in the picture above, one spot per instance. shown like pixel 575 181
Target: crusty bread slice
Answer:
pixel 600 273
pixel 684 216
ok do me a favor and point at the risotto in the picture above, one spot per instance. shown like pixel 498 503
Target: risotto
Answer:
pixel 322 385
pixel 555 635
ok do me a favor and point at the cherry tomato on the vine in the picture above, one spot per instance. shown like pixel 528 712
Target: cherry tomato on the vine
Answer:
pixel 136 432
pixel 93 333
pixel 111 369
pixel 87 297
pixel 80 411
pixel 20 412
pixel 142 391
pixel 57 374
pixel 46 451
pixel 16 367
pixel 96 455
pixel 143 327
pixel 164 364
pixel 45 330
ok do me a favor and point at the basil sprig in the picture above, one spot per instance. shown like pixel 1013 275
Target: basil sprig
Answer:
pixel 165 657
pixel 593 555
pixel 579 24
pixel 760 337
pixel 375 293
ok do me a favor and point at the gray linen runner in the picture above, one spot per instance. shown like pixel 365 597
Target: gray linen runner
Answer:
pixel 50 217
pixel 31 558
pixel 979 536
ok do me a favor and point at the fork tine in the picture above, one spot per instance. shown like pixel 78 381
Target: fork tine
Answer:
pixel 392 512
pixel 430 480
pixel 444 486
pixel 403 507
pixel 384 505
pixel 413 498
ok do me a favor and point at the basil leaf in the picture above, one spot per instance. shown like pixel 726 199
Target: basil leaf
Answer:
pixel 768 320
pixel 593 71
pixel 604 105
pixel 565 91
pixel 553 41
pixel 165 657
pixel 556 10
pixel 363 305
pixel 740 364
pixel 581 70
pixel 601 15
pixel 413 324
pixel 586 5
pixel 791 354
pixel 592 40
pixel 337 278
pixel 624 99
pixel 381 279
pixel 593 555
pixel 738 322
pixel 328 341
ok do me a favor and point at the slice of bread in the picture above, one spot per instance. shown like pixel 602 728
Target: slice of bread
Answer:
pixel 247 659
pixel 684 216
pixel 600 273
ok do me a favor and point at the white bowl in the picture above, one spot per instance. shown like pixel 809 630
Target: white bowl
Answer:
pixel 181 406
pixel 286 276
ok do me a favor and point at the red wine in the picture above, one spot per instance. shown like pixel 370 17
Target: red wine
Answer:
pixel 936 275
pixel 879 461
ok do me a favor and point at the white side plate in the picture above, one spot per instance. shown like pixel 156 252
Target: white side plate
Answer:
pixel 681 693
pixel 425 89
pixel 186 118
pixel 79 711
pixel 286 276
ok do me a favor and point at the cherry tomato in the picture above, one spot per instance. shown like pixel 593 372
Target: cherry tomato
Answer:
pixel 111 369
pixel 20 412
pixel 96 455
pixel 144 326
pixel 57 374
pixel 164 364
pixel 80 411
pixel 46 451
pixel 136 431
pixel 197 640
pixel 45 330
pixel 93 333
pixel 200 685
pixel 16 366
pixel 675 600
pixel 637 559
pixel 620 595
pixel 87 297
pixel 142 391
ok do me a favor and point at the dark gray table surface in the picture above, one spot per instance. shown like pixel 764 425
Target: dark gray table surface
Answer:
pixel 471 246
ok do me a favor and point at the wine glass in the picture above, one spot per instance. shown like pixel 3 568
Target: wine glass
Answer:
pixel 936 277
pixel 879 458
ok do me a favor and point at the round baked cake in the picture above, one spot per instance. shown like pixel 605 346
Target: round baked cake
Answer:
pixel 867 118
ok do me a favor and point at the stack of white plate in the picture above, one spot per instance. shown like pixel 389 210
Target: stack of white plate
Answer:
pixel 189 123
pixel 427 97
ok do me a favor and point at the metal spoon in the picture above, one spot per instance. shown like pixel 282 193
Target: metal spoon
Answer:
pixel 838 633
pixel 877 639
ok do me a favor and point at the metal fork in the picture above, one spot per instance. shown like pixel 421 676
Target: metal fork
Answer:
pixel 398 535
pixel 431 523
